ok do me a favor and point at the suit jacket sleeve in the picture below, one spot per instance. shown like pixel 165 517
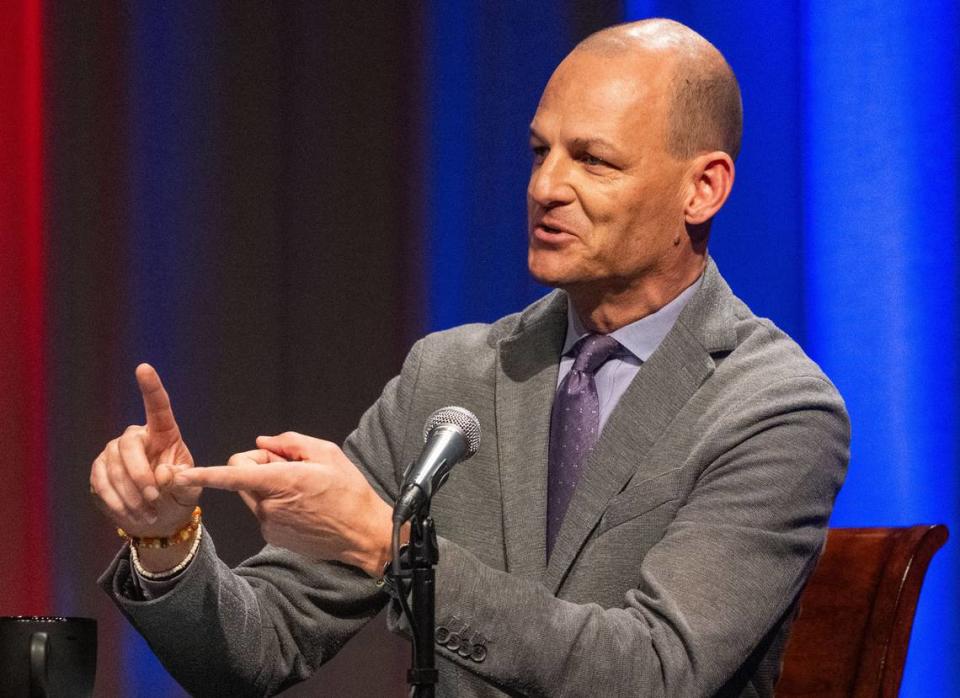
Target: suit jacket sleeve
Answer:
pixel 274 619
pixel 727 570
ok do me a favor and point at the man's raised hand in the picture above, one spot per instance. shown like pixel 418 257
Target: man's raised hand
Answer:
pixel 132 478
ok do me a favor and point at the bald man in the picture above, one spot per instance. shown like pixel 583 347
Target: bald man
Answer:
pixel 664 558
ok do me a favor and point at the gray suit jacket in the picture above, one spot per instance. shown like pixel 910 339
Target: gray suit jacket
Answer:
pixel 698 517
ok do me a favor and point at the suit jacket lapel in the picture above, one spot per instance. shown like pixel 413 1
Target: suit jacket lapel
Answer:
pixel 525 385
pixel 661 388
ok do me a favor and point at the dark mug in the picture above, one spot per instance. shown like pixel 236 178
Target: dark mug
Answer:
pixel 47 656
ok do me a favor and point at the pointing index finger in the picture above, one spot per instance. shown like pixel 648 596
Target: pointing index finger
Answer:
pixel 156 402
pixel 258 479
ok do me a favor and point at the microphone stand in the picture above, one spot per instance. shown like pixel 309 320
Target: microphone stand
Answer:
pixel 422 676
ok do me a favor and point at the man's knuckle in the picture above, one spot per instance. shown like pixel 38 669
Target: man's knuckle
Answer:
pixel 98 476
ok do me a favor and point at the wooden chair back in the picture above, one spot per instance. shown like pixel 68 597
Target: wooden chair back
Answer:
pixel 852 629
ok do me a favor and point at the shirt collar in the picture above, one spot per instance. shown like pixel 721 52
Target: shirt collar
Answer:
pixel 641 337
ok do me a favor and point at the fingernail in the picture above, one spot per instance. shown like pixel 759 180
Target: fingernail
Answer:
pixel 150 493
pixel 150 518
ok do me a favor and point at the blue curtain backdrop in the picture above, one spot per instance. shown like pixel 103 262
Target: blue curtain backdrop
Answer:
pixel 486 64
pixel 171 161
pixel 842 227
pixel 880 236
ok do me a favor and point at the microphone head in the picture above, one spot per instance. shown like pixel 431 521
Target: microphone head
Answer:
pixel 459 418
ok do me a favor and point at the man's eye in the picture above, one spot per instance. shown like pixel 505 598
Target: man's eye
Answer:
pixel 539 152
pixel 589 159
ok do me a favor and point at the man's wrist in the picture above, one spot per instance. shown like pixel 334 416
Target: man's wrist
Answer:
pixel 158 560
pixel 382 550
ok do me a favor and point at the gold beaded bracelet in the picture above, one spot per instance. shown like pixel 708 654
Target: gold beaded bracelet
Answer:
pixel 179 536
pixel 162 575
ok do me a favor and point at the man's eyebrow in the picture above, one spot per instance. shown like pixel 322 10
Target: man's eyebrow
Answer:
pixel 588 143
pixel 581 143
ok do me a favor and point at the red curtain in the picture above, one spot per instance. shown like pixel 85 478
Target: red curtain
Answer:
pixel 24 559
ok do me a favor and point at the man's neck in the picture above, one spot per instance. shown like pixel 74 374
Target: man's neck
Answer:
pixel 608 308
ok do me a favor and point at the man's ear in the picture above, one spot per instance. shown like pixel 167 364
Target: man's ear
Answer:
pixel 711 179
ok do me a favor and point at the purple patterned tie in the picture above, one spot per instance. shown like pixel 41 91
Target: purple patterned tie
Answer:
pixel 574 426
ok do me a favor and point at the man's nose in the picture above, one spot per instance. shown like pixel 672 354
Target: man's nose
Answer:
pixel 549 182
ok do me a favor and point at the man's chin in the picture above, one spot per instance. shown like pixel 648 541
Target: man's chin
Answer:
pixel 554 269
pixel 554 278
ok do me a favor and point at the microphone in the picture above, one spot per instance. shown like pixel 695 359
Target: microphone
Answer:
pixel 450 435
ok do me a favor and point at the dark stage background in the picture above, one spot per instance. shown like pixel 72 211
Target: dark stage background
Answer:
pixel 270 202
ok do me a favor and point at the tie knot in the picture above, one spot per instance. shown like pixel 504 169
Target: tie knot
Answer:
pixel 593 350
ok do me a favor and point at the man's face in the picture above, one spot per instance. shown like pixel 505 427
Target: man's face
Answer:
pixel 605 199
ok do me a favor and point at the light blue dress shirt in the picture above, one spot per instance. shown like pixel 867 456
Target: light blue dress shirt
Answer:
pixel 638 341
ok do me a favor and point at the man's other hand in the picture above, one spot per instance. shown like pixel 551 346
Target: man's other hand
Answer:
pixel 132 479
pixel 308 497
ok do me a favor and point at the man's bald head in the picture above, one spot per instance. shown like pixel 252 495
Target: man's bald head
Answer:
pixel 705 112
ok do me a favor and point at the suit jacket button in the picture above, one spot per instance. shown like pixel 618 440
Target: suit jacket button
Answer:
pixel 478 653
pixel 441 635
pixel 453 642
